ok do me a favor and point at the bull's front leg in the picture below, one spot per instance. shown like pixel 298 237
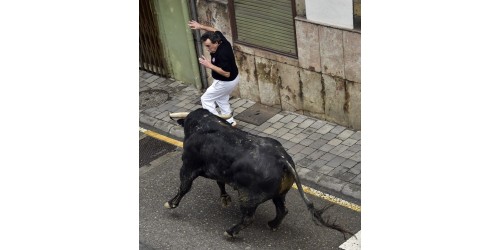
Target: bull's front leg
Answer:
pixel 224 197
pixel 186 177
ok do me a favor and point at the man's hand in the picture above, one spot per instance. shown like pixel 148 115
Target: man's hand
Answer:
pixel 194 25
pixel 205 62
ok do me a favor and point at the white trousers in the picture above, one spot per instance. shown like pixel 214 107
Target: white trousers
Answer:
pixel 219 93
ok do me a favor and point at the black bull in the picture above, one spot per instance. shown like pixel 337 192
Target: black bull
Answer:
pixel 257 167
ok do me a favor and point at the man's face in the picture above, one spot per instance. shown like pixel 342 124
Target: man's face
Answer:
pixel 211 47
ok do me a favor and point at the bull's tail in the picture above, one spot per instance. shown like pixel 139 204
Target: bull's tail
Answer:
pixel 317 214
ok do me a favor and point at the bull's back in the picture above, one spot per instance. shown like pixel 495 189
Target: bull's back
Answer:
pixel 242 160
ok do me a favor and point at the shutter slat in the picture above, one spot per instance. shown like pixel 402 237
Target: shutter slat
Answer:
pixel 265 29
pixel 265 16
pixel 278 47
pixel 269 39
pixel 271 25
pixel 263 4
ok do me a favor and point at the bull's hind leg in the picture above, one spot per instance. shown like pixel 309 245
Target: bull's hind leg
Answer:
pixel 224 197
pixel 248 213
pixel 281 211
pixel 187 177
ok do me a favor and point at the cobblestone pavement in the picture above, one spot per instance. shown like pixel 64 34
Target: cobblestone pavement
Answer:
pixel 327 155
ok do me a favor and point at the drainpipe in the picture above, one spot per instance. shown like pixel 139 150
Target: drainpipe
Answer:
pixel 197 41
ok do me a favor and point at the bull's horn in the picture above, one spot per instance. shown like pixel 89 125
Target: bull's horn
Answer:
pixel 179 115
pixel 225 116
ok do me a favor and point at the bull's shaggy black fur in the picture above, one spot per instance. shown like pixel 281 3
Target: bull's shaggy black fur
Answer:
pixel 257 167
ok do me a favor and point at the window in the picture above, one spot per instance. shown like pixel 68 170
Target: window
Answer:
pixel 265 24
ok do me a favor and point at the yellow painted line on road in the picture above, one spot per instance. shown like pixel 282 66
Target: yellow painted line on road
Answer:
pixel 162 137
pixel 330 198
pixel 307 189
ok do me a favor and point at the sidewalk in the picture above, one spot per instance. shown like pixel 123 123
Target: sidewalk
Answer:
pixel 327 156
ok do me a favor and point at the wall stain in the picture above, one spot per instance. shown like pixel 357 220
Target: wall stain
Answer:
pixel 266 72
pixel 301 84
pixel 347 98
pixel 323 94
pixel 340 83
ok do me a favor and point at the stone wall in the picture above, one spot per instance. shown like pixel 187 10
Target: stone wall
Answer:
pixel 323 82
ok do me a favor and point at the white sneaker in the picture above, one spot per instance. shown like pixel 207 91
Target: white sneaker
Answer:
pixel 234 124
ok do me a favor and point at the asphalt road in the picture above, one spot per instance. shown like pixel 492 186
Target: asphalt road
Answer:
pixel 200 221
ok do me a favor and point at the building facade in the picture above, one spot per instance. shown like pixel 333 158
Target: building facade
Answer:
pixel 302 56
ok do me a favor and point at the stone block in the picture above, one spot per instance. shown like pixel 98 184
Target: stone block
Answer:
pixel 306 142
pixel 318 124
pixel 326 147
pixel 349 142
pixel 354 104
pixel 307 45
pixel 352 56
pixel 332 183
pixel 148 120
pixel 244 49
pixel 318 143
pixel 298 157
pixel 346 176
pixel 290 90
pixel 287 136
pixel 355 148
pixel 300 118
pixel 352 190
pixel 348 163
pixel 313 176
pixel 335 101
pixel 312 91
pixel 300 7
pixel 331 51
pixel 276 57
pixel 345 135
pixel 177 131
pixel 289 117
pixel 327 157
pixel 315 115
pixel 268 79
pixel 315 136
pixel 215 14
pixel 248 86
pixel 308 150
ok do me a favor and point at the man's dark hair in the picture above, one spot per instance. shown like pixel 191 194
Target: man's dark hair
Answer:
pixel 213 36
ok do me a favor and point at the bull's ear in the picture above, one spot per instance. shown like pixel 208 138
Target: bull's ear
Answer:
pixel 181 122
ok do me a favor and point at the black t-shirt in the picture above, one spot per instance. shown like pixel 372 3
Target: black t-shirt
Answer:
pixel 224 58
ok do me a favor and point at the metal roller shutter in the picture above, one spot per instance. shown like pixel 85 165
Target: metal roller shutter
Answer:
pixel 267 24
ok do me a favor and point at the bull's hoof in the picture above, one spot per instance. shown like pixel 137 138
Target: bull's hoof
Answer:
pixel 273 228
pixel 229 235
pixel 167 205
pixel 225 200
pixel 271 225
